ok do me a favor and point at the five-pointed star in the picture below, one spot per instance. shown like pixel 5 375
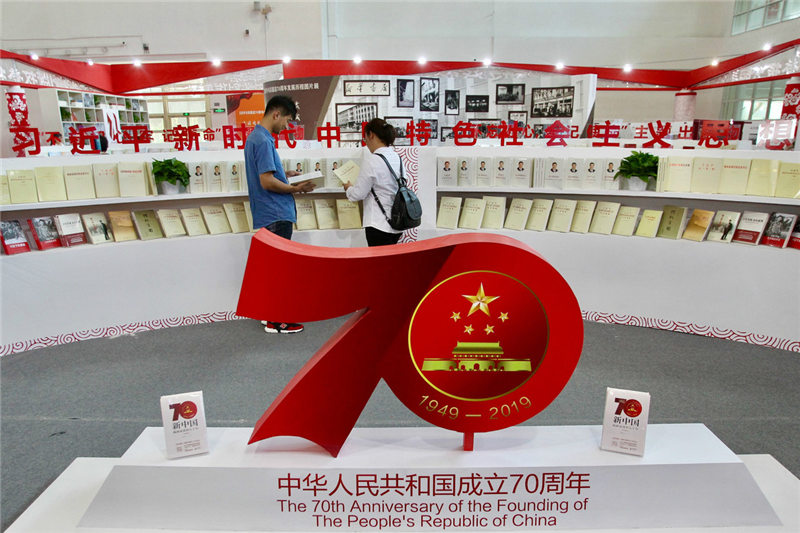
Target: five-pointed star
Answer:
pixel 480 301
pixel 455 316
pixel 489 329
pixel 468 329
pixel 503 316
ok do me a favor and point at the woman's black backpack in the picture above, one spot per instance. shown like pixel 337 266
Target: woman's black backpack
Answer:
pixel 406 209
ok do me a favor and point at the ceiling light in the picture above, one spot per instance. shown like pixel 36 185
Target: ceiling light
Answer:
pixel 627 67
pixel 137 63
pixel 487 62
pixel 216 62
pixel 714 62
pixel 89 62
pixel 287 59
pixel 357 60
pixel 422 60
pixel 34 56
pixel 559 65
pixel 766 47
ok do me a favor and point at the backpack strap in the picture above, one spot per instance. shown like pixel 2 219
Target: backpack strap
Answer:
pixel 401 182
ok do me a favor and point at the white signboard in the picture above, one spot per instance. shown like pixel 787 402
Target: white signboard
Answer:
pixel 184 424
pixel 625 421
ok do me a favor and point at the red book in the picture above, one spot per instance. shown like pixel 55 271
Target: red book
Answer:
pixel 751 228
pixel 13 237
pixel 44 231
pixel 778 230
pixel 70 229
pixel 794 240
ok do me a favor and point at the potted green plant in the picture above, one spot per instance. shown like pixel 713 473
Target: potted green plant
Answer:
pixel 640 171
pixel 171 176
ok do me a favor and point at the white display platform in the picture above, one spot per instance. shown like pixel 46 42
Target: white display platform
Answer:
pixel 672 448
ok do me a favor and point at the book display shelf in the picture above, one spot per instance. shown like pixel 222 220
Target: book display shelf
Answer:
pixel 61 109
pixel 724 290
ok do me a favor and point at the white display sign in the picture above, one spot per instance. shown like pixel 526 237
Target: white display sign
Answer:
pixel 625 421
pixel 184 424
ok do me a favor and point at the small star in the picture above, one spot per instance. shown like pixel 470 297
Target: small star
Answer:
pixel 489 329
pixel 480 301
pixel 503 316
pixel 468 329
pixel 455 316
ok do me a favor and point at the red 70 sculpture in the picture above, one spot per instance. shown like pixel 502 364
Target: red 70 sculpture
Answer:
pixel 471 332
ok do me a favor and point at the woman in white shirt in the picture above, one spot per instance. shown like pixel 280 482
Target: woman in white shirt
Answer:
pixel 375 175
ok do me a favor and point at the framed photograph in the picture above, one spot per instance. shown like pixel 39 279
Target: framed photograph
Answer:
pixel 366 87
pixel 350 116
pixel 477 103
pixel 350 143
pixel 405 93
pixel 538 131
pixel 399 124
pixel 452 102
pixel 510 93
pixel 483 126
pixel 429 94
pixel 434 122
pixel 520 117
pixel 446 134
pixel 552 102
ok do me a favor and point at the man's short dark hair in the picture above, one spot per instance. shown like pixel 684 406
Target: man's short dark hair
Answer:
pixel 282 103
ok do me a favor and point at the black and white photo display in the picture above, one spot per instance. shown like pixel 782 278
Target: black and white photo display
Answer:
pixel 477 103
pixel 429 94
pixel 399 124
pixel 552 102
pixel 405 93
pixel 350 116
pixel 510 93
pixel 452 105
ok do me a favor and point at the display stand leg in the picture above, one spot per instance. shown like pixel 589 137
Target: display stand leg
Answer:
pixel 469 441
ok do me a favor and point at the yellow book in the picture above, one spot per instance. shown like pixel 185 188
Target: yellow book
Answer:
pixel 561 215
pixel 788 185
pixel 672 222
pixel 763 177
pixel 146 224
pixel 540 214
pixel 706 174
pixel 306 218
pixel 449 209
pixel 648 225
pixel 348 214
pixel 604 217
pixel 122 226
pixel 733 179
pixel 249 215
pixel 584 210
pixel 518 213
pixel 152 188
pixel 347 173
pixel 193 221
pixel 22 187
pixel 325 209
pixel 5 195
pixel 494 213
pixel 329 166
pixel 678 177
pixel 132 180
pixel 170 220
pixel 698 225
pixel 106 183
pixel 626 220
pixel 50 184
pixel 97 228
pixel 236 217
pixel 215 219
pixel 472 213
pixel 79 182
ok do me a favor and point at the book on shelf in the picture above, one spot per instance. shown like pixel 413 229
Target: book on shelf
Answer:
pixel 605 214
pixel 751 227
pixel 472 213
pixel 573 174
pixel 45 233
pixel 539 215
pixel 79 182
pixel 236 217
pixel 132 179
pixel 213 176
pixel 331 180
pixel 306 219
pixel 249 215
pixel 316 164
pixel 553 173
pixel 592 173
pixel 610 169
pixel 494 213
pixel 582 219
pixel 518 212
pixel 521 173
pixel 146 224
pixel 22 187
pixel 150 179
pixel 197 179
pixel 348 214
pixel 501 172
pixel 779 230
pixel 315 177
pixel 13 237
pixel 722 226
pixel 215 219
pixel 347 173
pixel 193 221
pixel 70 229
pixel 5 194
pixel 788 183
pixel 483 172
pixel 626 220
pixel 325 210
pixel 733 178
pixel 678 174
pixel 561 215
pixel 763 177
pixel 295 165
pixel 106 182
pixel 171 224
pixel 698 225
pixel 97 228
pixel 449 209
pixel 122 226
pixel 446 171
pixel 794 238
pixel 672 222
pixel 649 223
pixel 50 184
pixel 234 176
pixel 706 175
pixel 466 172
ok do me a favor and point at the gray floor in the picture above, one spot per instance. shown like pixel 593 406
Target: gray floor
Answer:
pixel 93 398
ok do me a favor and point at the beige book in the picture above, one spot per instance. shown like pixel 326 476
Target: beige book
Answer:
pixel 502 172
pixel 465 173
pixel 215 219
pixel 763 177
pixel 79 182
pixel 446 172
pixel 236 217
pixel 347 173
pixel 521 173
pixel 626 220
pixel 698 225
pixel 788 185
pixel 122 226
pixel 678 177
pixel 325 209
pixel 472 213
pixel 495 212
pixel 518 213
pixel 197 179
pixel 561 215
pixel 348 214
pixel 132 180
pixel 449 210
pixel 152 188
pixel 249 214
pixel 50 184
pixel 5 195
pixel 483 172
pixel 22 187
pixel 540 214
pixel 584 211
pixel 147 225
pixel 331 165
pixel 648 225
pixel 604 217
pixel 706 175
pixel 234 176
pixel 213 176
pixel 306 218
pixel 193 221
pixel 97 228
pixel 106 183
pixel 733 178
pixel 723 226
pixel 170 220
